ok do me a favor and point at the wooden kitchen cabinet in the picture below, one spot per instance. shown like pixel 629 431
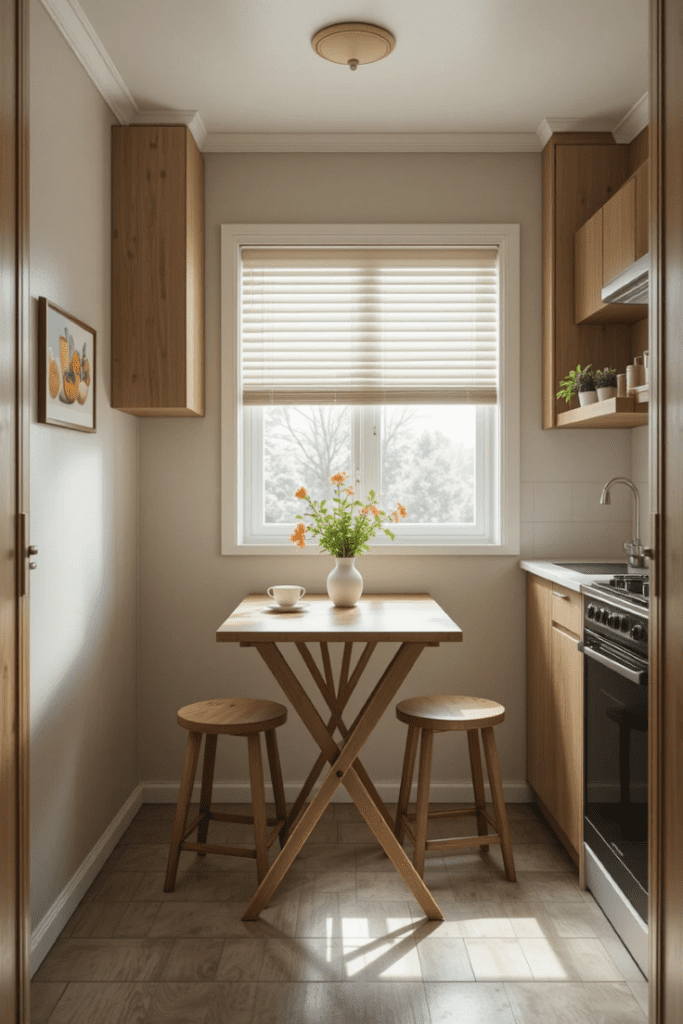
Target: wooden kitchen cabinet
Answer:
pixel 606 245
pixel 581 172
pixel 555 708
pixel 157 271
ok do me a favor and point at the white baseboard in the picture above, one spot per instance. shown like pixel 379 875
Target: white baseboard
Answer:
pixel 46 932
pixel 239 792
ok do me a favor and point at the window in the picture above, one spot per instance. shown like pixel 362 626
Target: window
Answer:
pixel 388 352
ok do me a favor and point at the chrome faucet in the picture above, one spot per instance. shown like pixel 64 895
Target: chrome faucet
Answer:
pixel 634 547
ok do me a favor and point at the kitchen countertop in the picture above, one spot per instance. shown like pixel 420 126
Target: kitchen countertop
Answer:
pixel 567 577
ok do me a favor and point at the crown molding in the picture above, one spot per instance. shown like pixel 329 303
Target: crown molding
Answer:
pixel 633 123
pixel 190 118
pixel 71 20
pixel 625 131
pixel 550 125
pixel 366 142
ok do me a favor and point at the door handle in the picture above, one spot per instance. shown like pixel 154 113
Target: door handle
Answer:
pixel 565 597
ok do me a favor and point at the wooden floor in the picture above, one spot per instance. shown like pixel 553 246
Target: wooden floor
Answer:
pixel 343 940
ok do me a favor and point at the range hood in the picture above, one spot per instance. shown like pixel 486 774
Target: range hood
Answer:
pixel 631 286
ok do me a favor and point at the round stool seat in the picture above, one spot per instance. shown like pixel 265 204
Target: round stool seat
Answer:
pixel 445 713
pixel 232 715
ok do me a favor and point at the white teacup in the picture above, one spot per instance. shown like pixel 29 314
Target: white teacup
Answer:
pixel 286 596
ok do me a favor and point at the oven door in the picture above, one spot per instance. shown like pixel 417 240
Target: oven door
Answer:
pixel 615 776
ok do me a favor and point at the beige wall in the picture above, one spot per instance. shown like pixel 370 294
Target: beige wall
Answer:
pixel 84 496
pixel 187 588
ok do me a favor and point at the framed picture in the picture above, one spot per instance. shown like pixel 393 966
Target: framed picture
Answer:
pixel 66 369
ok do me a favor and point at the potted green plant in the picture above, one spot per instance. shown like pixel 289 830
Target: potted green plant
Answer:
pixel 586 383
pixel 575 384
pixel 606 383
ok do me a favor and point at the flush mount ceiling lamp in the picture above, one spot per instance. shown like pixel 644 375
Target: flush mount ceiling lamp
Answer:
pixel 353 43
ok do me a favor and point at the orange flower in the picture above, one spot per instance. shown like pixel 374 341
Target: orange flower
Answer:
pixel 350 490
pixel 394 516
pixel 375 511
pixel 364 511
pixel 301 493
pixel 339 478
pixel 401 510
pixel 298 535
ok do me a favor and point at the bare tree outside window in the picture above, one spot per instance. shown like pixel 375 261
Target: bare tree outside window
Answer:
pixel 427 458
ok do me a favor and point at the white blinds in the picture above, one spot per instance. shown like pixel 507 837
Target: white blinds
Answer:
pixel 369 326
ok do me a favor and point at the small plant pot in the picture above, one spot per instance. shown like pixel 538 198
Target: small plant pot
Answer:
pixel 587 397
pixel 605 393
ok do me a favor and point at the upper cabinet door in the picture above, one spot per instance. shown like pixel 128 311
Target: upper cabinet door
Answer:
pixel 619 232
pixel 157 271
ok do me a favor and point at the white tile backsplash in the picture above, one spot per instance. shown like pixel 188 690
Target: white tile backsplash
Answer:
pixel 586 505
pixel 552 502
pixel 579 540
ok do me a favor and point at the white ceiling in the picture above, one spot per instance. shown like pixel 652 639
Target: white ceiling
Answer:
pixel 458 66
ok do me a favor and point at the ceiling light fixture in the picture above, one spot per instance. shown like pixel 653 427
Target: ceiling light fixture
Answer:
pixel 353 43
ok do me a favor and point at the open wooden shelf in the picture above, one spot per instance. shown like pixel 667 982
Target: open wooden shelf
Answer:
pixel 617 413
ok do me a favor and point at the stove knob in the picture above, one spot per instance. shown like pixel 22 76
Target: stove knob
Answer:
pixel 602 615
pixel 638 632
pixel 590 611
pixel 625 625
pixel 614 621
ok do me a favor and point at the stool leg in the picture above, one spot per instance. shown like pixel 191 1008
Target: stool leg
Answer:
pixel 406 780
pixel 500 810
pixel 276 779
pixel 207 787
pixel 258 801
pixel 194 741
pixel 422 807
pixel 478 783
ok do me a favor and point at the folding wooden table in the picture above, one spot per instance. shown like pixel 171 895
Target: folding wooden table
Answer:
pixel 414 621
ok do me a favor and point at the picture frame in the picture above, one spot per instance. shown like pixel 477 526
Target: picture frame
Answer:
pixel 67 361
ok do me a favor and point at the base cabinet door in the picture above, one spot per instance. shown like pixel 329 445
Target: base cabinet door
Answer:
pixel 555 706
pixel 567 686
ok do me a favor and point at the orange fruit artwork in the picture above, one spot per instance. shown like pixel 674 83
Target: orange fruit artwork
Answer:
pixel 86 371
pixel 54 380
pixel 76 365
pixel 64 353
pixel 70 386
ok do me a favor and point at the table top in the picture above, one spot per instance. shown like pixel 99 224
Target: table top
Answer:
pixel 397 618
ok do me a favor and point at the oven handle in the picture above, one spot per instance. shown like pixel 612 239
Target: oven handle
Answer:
pixel 633 675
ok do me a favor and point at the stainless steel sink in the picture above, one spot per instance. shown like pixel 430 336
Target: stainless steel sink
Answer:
pixel 595 568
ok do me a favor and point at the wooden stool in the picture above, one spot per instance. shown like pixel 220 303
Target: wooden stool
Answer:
pixel 235 717
pixel 425 716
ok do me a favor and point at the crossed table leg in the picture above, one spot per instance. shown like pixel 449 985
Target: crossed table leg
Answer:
pixel 345 768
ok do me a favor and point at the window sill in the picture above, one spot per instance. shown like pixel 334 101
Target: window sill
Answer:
pixel 424 550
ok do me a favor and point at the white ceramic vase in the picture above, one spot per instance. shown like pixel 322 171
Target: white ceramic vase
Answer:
pixel 605 393
pixel 345 583
pixel 587 397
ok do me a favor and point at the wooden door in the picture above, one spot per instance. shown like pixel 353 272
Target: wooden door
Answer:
pixel 567 688
pixel 666 495
pixel 14 909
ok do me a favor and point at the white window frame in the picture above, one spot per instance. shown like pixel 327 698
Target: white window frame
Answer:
pixel 234 472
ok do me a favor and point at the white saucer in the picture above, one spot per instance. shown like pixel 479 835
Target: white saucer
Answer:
pixel 275 607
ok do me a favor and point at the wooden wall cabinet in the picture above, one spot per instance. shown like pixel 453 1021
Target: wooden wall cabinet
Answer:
pixel 157 271
pixel 580 173
pixel 606 245
pixel 555 708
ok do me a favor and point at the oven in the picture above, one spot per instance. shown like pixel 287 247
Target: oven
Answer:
pixel 614 646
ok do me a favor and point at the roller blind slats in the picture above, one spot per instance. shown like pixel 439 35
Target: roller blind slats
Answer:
pixel 369 326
